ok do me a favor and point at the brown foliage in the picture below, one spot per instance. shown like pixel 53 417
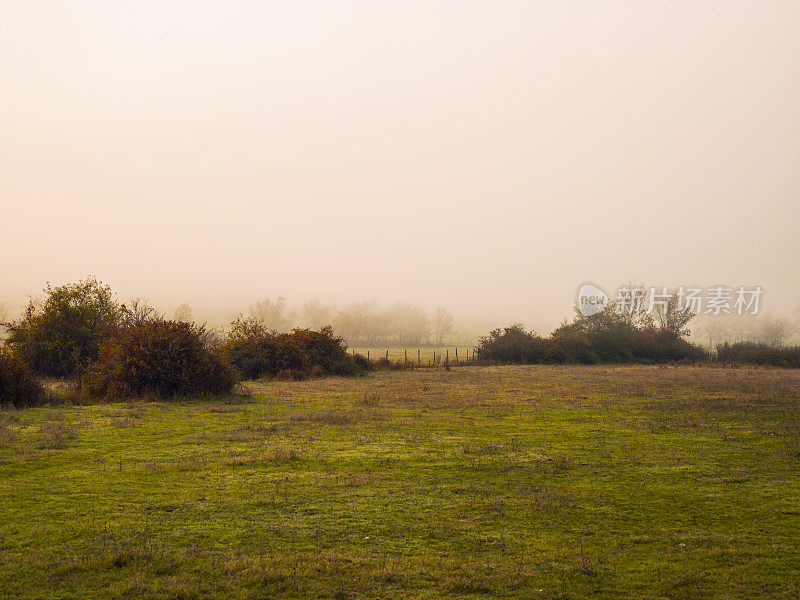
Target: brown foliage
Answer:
pixel 162 357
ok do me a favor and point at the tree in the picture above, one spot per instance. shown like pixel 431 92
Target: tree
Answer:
pixel 772 330
pixel 272 314
pixel 407 322
pixel 139 311
pixel 61 334
pixel 669 317
pixel 356 323
pixel 316 315
pixel 184 313
pixel 442 322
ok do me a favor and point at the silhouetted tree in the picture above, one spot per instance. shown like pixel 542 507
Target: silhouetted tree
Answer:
pixel 138 311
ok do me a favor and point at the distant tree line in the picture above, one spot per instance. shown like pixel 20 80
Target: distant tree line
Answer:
pixel 360 323
pixel 767 329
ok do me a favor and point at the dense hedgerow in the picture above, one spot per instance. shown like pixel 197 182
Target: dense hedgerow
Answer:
pixel 18 386
pixel 601 338
pixel 258 352
pixel 162 357
pixel 760 354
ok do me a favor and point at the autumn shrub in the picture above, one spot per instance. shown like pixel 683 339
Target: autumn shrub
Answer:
pixel 18 387
pixel 256 351
pixel 320 352
pixel 250 347
pixel 160 357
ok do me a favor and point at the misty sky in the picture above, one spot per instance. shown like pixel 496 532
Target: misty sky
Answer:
pixel 488 156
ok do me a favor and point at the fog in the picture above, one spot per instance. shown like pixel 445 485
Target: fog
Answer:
pixel 486 156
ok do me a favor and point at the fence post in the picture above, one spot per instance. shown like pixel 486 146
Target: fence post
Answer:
pixel 367 354
pixel 387 355
pixel 447 358
pixel 456 354
pixel 405 356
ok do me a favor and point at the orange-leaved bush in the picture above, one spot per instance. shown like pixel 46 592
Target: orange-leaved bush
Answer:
pixel 256 351
pixel 18 386
pixel 161 357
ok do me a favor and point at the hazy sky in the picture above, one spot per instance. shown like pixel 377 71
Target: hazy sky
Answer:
pixel 489 156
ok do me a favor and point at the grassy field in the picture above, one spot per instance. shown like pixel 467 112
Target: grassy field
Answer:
pixel 514 482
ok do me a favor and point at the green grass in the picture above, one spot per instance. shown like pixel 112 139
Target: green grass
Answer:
pixel 513 482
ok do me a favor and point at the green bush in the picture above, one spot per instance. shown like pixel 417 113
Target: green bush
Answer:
pixel 61 335
pixel 602 338
pixel 17 386
pixel 513 345
pixel 161 357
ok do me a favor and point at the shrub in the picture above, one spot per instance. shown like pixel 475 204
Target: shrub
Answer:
pixel 603 337
pixel 320 351
pixel 61 335
pixel 251 348
pixel 162 357
pixel 17 386
pixel 513 345
pixel 660 346
pixel 760 354
pixel 256 352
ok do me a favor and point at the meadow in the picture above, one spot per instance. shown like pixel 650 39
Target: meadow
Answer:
pixel 474 482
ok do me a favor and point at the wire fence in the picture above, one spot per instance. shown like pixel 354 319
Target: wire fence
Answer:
pixel 419 356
